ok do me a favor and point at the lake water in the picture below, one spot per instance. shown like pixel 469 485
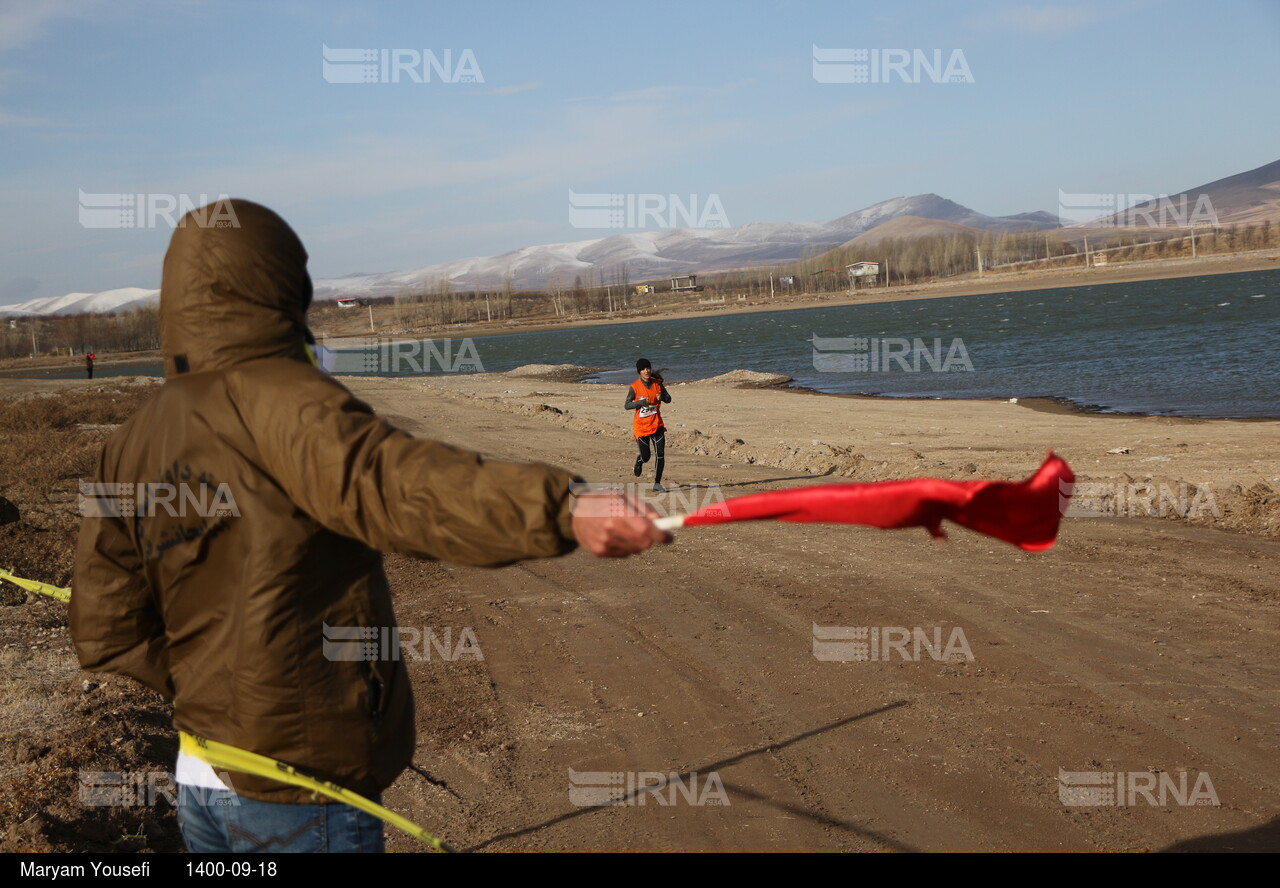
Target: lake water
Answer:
pixel 1200 346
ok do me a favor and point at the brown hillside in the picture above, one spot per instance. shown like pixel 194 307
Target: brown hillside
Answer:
pixel 909 228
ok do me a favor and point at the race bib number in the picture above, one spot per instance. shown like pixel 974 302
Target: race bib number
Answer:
pixel 648 411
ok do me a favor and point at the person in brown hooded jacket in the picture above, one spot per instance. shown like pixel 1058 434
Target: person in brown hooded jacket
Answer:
pixel 265 492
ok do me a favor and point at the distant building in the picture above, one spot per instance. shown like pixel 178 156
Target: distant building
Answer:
pixel 787 280
pixel 863 269
pixel 644 288
pixel 685 282
pixel 350 303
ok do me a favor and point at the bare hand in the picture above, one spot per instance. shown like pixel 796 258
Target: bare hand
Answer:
pixel 611 524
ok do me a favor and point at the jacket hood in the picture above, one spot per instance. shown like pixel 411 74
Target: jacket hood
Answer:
pixel 235 288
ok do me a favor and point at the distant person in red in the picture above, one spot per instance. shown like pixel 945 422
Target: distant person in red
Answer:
pixel 646 396
pixel 88 364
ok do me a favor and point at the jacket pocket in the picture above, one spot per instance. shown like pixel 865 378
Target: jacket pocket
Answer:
pixel 376 690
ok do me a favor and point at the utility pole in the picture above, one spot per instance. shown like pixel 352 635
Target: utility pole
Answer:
pixel 1087 263
pixel 979 252
pixel 486 307
pixel 1193 243
pixel 770 286
pixel 35 350
pixel 370 307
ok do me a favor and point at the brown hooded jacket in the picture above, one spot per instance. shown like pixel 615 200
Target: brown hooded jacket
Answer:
pixel 271 490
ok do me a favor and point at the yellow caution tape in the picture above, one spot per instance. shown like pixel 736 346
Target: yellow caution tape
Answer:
pixel 63 595
pixel 220 755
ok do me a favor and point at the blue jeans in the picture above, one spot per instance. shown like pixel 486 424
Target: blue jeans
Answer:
pixel 221 822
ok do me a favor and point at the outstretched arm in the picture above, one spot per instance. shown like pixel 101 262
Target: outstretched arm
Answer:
pixel 361 477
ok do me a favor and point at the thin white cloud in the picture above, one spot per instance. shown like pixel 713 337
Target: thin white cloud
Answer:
pixel 511 90
pixel 24 21
pixel 580 147
pixel 1039 19
pixel 652 94
pixel 675 91
pixel 9 119
pixel 1049 19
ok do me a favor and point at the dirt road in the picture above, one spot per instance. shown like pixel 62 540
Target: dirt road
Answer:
pixel 1136 648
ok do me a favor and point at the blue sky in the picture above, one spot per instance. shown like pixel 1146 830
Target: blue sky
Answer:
pixel 706 98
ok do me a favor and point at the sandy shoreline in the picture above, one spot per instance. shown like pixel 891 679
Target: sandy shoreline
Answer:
pixel 750 418
pixel 1233 468
pixel 863 438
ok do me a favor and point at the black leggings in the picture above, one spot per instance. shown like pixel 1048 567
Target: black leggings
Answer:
pixel 659 439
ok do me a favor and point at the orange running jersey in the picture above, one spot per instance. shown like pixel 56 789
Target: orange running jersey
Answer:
pixel 648 419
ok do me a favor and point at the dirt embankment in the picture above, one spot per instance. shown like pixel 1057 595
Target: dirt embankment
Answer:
pixel 68 738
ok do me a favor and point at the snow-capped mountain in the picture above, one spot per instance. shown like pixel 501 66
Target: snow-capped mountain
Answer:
pixel 653 254
pixel 105 302
pixel 645 254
